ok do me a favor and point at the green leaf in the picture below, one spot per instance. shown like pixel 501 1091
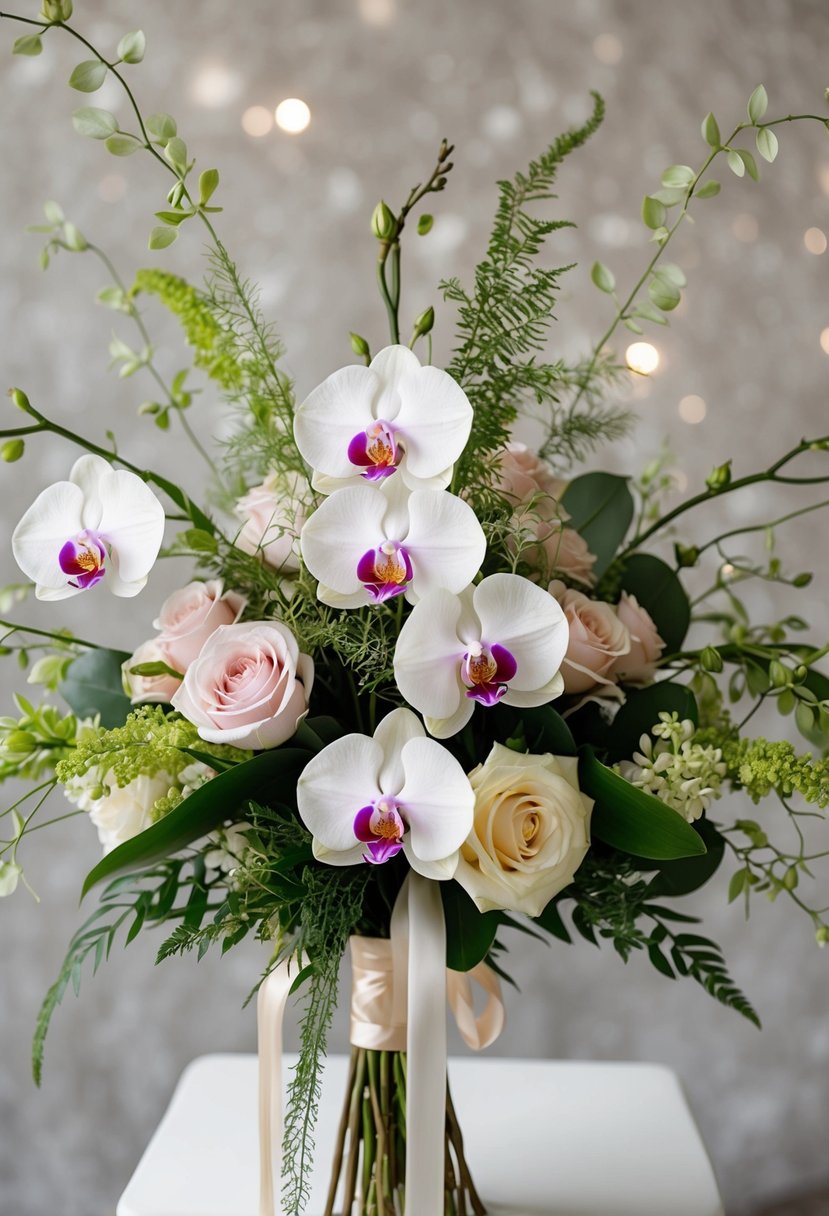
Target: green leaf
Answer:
pixel 641 711
pixel 688 874
pixel 736 163
pixel 737 884
pixel 654 213
pixel 660 962
pixel 710 190
pixel 758 103
pixel 601 508
pixel 208 181
pixel 94 685
pixel 711 131
pixel 174 218
pixel 95 123
pixel 28 44
pixel 161 127
pixel 602 277
pixel 750 164
pixel 633 326
pixel 672 273
pixel 551 920
pixel 678 176
pixel 132 46
pixel 216 802
pixel 767 144
pixel 176 153
pixel 88 76
pixel 546 731
pixel 161 237
pixel 649 313
pixel 661 594
pixel 632 821
pixel 469 933
pixel 670 196
pixel 663 293
pixel 123 144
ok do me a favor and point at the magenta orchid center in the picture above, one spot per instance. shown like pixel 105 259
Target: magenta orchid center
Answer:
pixel 83 558
pixel 385 571
pixel 381 828
pixel 486 671
pixel 375 451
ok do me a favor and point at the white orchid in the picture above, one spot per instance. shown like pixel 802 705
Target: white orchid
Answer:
pixel 74 528
pixel 370 422
pixel 366 544
pixel 368 799
pixel 503 640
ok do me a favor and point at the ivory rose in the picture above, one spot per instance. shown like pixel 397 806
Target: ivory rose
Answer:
pixel 598 639
pixel 272 516
pixel 190 616
pixel 249 686
pixel 646 646
pixel 144 689
pixel 530 833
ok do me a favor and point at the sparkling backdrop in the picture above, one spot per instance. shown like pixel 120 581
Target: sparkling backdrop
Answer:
pixel 741 372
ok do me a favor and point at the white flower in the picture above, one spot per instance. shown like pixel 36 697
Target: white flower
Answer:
pixel 75 528
pixel 230 844
pixel 368 799
pixel 121 812
pixel 366 544
pixel 370 422
pixel 503 640
pixel 685 775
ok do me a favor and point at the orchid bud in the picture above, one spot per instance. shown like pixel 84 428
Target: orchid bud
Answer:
pixel 383 223
pixel 56 10
pixel 686 555
pixel 20 400
pixel 719 478
pixel 12 450
pixel 711 659
pixel 360 346
pixel 424 323
pixel 822 936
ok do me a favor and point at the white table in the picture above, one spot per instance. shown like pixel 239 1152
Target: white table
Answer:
pixel 542 1138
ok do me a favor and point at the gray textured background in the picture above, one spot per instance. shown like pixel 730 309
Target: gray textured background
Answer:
pixel 385 79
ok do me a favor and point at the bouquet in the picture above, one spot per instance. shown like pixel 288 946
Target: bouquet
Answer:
pixel 430 684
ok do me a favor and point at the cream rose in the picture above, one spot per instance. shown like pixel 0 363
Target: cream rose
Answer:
pixel 524 478
pixel 142 689
pixel 638 666
pixel 126 811
pixel 565 552
pixel 249 686
pixel 272 516
pixel 188 618
pixel 597 640
pixel 530 832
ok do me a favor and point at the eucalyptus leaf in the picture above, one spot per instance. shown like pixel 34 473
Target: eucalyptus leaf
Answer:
pixel 711 131
pixel 633 326
pixel 95 123
pixel 132 46
pixel 602 277
pixel 673 273
pixel 654 213
pixel 601 508
pixel 736 163
pixel 710 190
pixel 767 144
pixel 123 144
pixel 161 237
pixel 678 176
pixel 161 127
pixel 176 153
pixel 88 76
pixel 670 196
pixel 663 293
pixel 94 685
pixel 750 164
pixel 208 181
pixel 758 103
pixel 649 312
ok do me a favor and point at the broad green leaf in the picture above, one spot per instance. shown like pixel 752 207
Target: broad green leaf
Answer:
pixel 28 44
pixel 469 933
pixel 123 144
pixel 661 594
pixel 632 821
pixel 690 873
pixel 176 153
pixel 161 237
pixel 212 804
pixel 602 277
pixel 653 212
pixel 711 131
pixel 678 176
pixel 709 190
pixel 640 713
pixel 758 103
pixel 546 731
pixel 88 76
pixel 93 685
pixel 132 46
pixel 97 124
pixel 208 181
pixel 663 293
pixel 736 164
pixel 550 919
pixel 161 127
pixel 767 144
pixel 601 508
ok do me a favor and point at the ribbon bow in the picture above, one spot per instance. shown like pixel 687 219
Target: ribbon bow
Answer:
pixel 399 993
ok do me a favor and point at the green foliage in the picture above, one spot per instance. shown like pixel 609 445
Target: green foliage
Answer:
pixel 93 686
pixel 761 766
pixel 469 933
pixel 659 591
pixel 601 509
pixel 36 741
pixel 641 709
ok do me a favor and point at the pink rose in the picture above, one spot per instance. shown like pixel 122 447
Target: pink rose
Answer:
pixel 272 516
pixel 188 618
pixel 638 666
pixel 525 478
pixel 565 552
pixel 249 686
pixel 142 689
pixel 597 640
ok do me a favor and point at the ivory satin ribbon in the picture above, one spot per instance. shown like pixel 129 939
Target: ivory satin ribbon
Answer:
pixel 400 988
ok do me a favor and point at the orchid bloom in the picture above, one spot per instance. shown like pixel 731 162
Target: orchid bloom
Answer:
pixel 367 799
pixel 101 524
pixel 366 544
pixel 503 640
pixel 370 422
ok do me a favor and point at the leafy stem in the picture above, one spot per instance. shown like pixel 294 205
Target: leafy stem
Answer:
pixel 13 627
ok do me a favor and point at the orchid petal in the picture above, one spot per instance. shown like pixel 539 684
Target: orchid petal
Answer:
pixel 339 532
pixel 445 541
pixel 335 785
pixel 444 728
pixel 393 365
pixel 436 418
pixel 335 857
pixel 87 473
pixel 538 696
pixel 428 653
pixel 332 415
pixel 528 621
pixel 393 733
pixel 132 522
pixel 437 800
pixel 438 871
pixel 54 515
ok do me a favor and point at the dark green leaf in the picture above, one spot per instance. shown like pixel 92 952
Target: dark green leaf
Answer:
pixel 93 685
pixel 660 962
pixel 641 711
pixel 550 919
pixel 601 508
pixel 660 592
pixel 690 873
pixel 469 933
pixel 631 820
pixel 546 731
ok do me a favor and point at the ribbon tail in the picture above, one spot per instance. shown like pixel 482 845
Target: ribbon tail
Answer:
pixel 481 1030
pixel 270 1011
pixel 426 1050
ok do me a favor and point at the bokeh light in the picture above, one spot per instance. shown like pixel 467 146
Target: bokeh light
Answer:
pixel 692 409
pixel 815 240
pixel 214 86
pixel 824 340
pixel 257 121
pixel 292 115
pixel 642 357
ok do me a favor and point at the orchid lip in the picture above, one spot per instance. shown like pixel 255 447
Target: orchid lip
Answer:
pixel 84 557
pixel 381 827
pixel 375 451
pixel 385 571
pixel 487 671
